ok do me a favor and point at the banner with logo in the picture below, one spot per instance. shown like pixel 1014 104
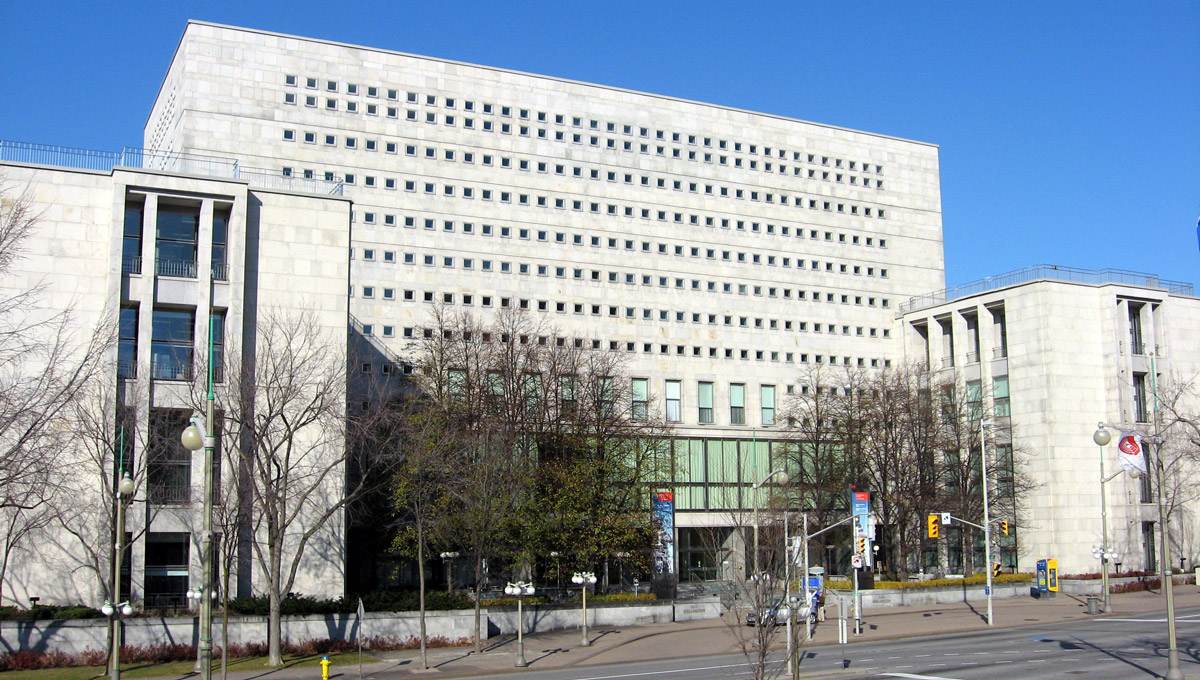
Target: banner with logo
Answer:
pixel 1131 454
pixel 664 511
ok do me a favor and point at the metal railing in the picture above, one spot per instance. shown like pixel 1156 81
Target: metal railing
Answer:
pixel 131 265
pixel 126 369
pixel 167 161
pixel 999 352
pixel 173 161
pixel 972 357
pixel 171 370
pixel 220 271
pixel 947 362
pixel 169 494
pixel 1046 271
pixel 1137 348
pixel 274 179
pixel 184 269
pixel 49 154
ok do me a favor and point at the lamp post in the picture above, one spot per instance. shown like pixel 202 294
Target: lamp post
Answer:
pixel 782 480
pixel 520 590
pixel 1104 553
pixel 987 522
pixel 116 608
pixel 1101 437
pixel 199 435
pixel 448 558
pixel 583 579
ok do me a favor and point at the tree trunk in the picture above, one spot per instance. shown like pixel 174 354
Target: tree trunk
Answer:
pixel 225 622
pixel 274 629
pixel 421 589
pixel 478 597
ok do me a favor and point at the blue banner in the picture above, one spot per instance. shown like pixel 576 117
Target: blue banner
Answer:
pixel 664 552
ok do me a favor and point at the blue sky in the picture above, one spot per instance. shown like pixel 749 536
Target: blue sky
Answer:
pixel 1069 131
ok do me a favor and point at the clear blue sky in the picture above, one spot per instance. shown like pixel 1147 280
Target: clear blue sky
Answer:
pixel 1069 131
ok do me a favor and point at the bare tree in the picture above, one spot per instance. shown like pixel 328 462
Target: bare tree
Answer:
pixel 285 418
pixel 47 359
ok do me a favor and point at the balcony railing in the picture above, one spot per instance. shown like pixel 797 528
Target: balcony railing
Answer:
pixel 220 271
pixel 1046 271
pixel 972 357
pixel 999 352
pixel 126 369
pixel 947 362
pixel 171 370
pixel 169 494
pixel 131 265
pixel 184 269
pixel 1137 348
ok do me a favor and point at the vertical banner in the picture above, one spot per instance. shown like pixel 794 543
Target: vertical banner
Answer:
pixel 1131 453
pixel 860 507
pixel 664 552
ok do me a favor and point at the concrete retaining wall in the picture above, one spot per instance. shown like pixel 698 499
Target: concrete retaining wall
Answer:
pixel 76 636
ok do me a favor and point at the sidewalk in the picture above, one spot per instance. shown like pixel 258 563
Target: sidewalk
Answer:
pixel 561 649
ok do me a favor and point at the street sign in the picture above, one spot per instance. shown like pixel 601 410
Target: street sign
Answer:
pixel 946 518
pixel 856 561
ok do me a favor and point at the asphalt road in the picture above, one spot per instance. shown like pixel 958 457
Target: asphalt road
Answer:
pixel 1099 649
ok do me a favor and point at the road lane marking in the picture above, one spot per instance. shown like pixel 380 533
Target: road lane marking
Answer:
pixel 911 676
pixel 674 670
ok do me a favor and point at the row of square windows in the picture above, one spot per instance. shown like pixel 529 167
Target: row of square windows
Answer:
pixel 629 278
pixel 389 256
pixel 543 167
pixel 289 134
pixel 525 114
pixel 595 241
pixel 410 333
pixel 614 311
pixel 451 190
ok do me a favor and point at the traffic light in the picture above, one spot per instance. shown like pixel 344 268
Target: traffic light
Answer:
pixel 932 522
pixel 862 545
pixel 995 569
pixel 1004 526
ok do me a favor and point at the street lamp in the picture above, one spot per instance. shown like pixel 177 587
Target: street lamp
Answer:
pixel 1104 552
pixel 197 436
pixel 115 606
pixel 584 579
pixel 987 522
pixel 520 590
pixel 782 480
pixel 1102 437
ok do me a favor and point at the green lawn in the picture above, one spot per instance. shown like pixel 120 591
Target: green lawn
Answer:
pixel 177 669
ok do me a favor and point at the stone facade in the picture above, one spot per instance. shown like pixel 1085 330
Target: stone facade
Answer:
pixel 1073 354
pixel 101 248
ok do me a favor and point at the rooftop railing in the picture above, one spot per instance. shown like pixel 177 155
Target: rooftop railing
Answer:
pixel 167 161
pixel 1046 271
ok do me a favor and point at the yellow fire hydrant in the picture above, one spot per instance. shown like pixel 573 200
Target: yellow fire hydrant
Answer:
pixel 324 668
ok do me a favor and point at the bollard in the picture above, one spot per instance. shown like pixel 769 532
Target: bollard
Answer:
pixel 325 668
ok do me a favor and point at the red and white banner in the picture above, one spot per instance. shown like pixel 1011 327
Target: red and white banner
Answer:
pixel 1131 453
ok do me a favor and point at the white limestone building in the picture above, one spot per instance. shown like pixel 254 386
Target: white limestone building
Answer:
pixel 126 249
pixel 1053 351
pixel 722 251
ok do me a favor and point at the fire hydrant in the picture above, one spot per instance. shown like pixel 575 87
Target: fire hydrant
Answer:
pixel 324 668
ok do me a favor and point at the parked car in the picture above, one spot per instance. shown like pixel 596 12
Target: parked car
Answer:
pixel 777 614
